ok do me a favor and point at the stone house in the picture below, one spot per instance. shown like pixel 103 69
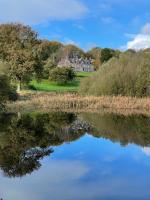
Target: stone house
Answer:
pixel 78 64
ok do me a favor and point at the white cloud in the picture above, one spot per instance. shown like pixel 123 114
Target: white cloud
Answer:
pixel 141 40
pixel 130 35
pixel 39 11
pixel 70 41
pixel 54 180
pixel 146 151
pixel 146 29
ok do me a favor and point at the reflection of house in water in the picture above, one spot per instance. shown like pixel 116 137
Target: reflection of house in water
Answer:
pixel 77 63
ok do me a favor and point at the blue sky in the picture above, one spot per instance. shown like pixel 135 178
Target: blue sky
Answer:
pixel 87 23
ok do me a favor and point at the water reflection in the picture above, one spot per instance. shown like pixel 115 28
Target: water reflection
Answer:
pixel 119 128
pixel 25 139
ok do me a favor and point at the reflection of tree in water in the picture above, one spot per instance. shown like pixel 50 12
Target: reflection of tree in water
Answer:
pixel 25 139
pixel 17 164
pixel 119 128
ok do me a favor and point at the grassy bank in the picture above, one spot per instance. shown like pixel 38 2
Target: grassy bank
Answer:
pixel 49 86
pixel 52 101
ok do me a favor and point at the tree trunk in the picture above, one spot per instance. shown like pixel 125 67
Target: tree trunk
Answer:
pixel 19 86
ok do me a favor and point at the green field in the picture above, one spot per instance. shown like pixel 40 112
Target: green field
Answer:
pixel 84 74
pixel 48 86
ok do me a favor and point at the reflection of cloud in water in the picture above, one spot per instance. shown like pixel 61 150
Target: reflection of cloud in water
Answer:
pixel 71 180
pixel 64 171
pixel 53 176
pixel 109 158
pixel 146 151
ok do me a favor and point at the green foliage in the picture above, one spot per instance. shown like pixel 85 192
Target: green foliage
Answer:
pixel 48 66
pixel 47 49
pixel 128 75
pixel 62 75
pixel 100 55
pixel 130 51
pixel 70 51
pixel 18 49
pixel 120 128
pixel 6 90
pixel 26 139
pixel 106 54
pixel 48 52
pixel 28 58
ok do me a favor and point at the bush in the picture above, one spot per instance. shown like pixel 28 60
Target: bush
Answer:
pixel 62 75
pixel 6 90
pixel 13 96
pixel 49 65
pixel 31 87
pixel 128 75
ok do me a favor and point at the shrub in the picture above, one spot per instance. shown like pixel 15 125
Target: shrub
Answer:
pixel 49 65
pixel 13 96
pixel 32 87
pixel 62 75
pixel 6 90
pixel 128 75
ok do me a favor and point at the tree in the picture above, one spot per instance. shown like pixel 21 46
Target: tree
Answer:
pixel 48 53
pixel 5 88
pixel 130 51
pixel 62 75
pixel 48 66
pixel 48 50
pixel 70 51
pixel 95 53
pixel 106 54
pixel 18 48
pixel 28 139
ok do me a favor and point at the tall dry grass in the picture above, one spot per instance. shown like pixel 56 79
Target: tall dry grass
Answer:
pixel 80 103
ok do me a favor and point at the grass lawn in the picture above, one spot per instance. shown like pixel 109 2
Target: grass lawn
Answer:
pixel 48 86
pixel 84 74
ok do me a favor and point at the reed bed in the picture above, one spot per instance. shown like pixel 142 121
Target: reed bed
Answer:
pixel 81 103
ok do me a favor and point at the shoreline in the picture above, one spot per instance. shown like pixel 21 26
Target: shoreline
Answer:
pixel 76 103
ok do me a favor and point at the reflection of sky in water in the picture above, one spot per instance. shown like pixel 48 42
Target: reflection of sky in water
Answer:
pixel 146 150
pixel 88 169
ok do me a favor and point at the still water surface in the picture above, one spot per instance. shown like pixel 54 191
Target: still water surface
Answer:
pixel 67 156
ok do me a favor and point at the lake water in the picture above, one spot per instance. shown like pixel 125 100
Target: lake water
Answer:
pixel 67 156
